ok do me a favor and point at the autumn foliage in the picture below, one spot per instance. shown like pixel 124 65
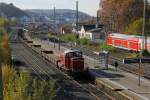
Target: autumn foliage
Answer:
pixel 4 46
pixel 20 85
pixel 120 13
pixel 5 54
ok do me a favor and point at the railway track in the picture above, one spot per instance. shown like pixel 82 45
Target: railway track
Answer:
pixel 35 60
pixel 129 68
pixel 95 92
pixel 132 68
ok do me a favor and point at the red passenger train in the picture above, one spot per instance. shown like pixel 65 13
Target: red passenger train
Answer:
pixel 128 42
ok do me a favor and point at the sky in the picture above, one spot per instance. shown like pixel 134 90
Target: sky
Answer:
pixel 88 6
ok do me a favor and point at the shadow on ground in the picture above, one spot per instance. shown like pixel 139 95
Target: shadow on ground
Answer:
pixel 107 73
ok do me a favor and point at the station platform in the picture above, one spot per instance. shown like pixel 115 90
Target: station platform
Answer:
pixel 124 83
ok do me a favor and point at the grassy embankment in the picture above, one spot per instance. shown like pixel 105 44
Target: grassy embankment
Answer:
pixel 20 85
pixel 97 46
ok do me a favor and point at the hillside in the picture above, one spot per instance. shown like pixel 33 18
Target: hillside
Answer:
pixel 61 14
pixel 9 10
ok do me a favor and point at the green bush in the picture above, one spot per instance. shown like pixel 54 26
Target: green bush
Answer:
pixel 105 47
pixel 84 41
pixel 21 86
pixel 4 46
pixel 145 53
pixel 133 55
pixel 69 38
pixel 135 27
pixel 93 44
pixel 3 22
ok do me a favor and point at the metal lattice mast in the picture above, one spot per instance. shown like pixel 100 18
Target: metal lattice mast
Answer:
pixel 77 15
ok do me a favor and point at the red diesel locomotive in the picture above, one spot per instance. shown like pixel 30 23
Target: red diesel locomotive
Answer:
pixel 71 61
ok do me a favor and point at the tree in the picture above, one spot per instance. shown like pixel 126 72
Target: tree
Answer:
pixel 3 22
pixel 121 13
pixel 135 27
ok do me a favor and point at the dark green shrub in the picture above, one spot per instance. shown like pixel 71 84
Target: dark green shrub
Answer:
pixel 21 86
pixel 84 41
pixel 69 38
pixel 145 53
pixel 105 47
pixel 134 27
pixel 93 44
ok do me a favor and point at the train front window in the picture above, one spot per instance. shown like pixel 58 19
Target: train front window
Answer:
pixel 75 54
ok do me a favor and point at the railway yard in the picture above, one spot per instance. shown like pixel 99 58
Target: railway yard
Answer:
pixel 75 50
pixel 68 88
pixel 129 68
pixel 127 83
pixel 102 85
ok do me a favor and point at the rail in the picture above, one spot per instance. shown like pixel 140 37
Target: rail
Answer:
pixel 128 68
pixel 92 90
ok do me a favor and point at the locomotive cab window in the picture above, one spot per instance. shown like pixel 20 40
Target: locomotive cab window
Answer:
pixel 77 54
pixel 74 54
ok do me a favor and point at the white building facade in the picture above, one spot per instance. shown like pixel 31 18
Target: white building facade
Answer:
pixel 93 34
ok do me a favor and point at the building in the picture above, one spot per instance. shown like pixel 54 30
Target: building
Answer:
pixel 92 32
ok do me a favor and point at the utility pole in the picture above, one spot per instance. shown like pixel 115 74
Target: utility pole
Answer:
pixel 144 41
pixel 140 65
pixel 77 15
pixel 145 19
pixel 54 17
pixel 54 23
